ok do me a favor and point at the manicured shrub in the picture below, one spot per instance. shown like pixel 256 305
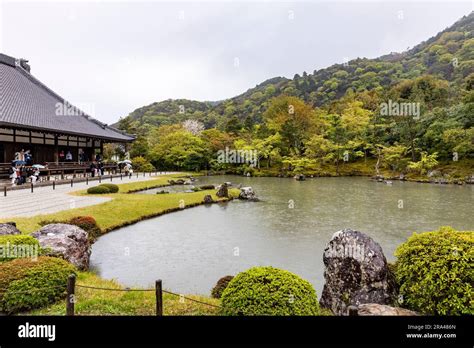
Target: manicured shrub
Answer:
pixel 435 274
pixel 98 190
pixel 220 286
pixel 112 187
pixel 17 246
pixel 269 291
pixel 88 224
pixel 26 284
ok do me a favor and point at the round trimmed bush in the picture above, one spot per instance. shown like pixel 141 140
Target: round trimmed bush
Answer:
pixel 435 274
pixel 26 284
pixel 88 224
pixel 98 190
pixel 220 286
pixel 17 246
pixel 112 187
pixel 269 291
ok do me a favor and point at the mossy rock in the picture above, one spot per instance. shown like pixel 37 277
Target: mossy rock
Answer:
pixel 221 285
pixel 269 291
pixel 435 274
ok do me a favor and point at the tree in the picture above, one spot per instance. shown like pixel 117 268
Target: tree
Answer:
pixel 426 163
pixel 294 121
pixel 193 126
pixel 180 150
pixel 394 157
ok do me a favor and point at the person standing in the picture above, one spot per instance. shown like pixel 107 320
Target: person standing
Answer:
pixel 13 174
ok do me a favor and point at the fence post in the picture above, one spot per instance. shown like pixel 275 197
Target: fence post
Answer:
pixel 72 182
pixel 5 191
pixel 159 297
pixel 70 299
pixel 121 176
pixel 111 177
pixel 54 185
pixel 31 187
pixel 353 311
pixel 87 180
pixel 100 178
pixel 137 175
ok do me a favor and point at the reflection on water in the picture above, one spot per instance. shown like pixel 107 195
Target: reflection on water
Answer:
pixel 191 249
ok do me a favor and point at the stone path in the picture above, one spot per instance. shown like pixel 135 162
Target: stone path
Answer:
pixel 45 200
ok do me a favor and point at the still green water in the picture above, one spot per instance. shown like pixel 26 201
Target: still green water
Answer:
pixel 191 249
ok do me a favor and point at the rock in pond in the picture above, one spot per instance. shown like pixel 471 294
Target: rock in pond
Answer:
pixel 356 272
pixel 300 177
pixel 378 309
pixel 8 228
pixel 247 193
pixel 223 191
pixel 68 241
pixel 208 199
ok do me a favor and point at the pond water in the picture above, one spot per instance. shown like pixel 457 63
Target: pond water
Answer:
pixel 289 229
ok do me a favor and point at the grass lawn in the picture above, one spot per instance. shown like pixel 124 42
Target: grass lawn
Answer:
pixel 124 208
pixel 102 302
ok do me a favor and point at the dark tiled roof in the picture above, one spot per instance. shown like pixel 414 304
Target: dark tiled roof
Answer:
pixel 26 102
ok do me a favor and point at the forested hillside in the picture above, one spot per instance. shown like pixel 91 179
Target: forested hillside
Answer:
pixel 406 111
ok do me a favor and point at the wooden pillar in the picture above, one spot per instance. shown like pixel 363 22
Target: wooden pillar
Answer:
pixel 56 149
pixel 101 148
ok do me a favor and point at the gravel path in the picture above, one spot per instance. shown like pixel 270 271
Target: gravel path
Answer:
pixel 45 200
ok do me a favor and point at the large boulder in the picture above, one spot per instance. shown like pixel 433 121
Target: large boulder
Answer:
pixel 8 228
pixel 356 272
pixel 247 193
pixel 67 241
pixel 223 191
pixel 378 309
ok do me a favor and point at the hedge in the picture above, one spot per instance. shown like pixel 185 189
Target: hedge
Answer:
pixel 269 291
pixel 18 246
pixel 26 284
pixel 435 274
pixel 112 187
pixel 98 190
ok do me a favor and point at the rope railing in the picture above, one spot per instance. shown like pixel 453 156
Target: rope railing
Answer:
pixel 71 299
pixel 110 289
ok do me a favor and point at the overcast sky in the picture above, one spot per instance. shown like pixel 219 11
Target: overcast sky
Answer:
pixel 112 57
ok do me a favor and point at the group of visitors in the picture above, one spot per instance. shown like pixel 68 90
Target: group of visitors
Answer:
pixel 65 157
pixel 97 168
pixel 22 174
pixel 23 170
pixel 24 156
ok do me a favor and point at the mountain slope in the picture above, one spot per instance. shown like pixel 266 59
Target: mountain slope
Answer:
pixel 448 55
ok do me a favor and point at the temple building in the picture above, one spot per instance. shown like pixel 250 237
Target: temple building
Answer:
pixel 34 118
